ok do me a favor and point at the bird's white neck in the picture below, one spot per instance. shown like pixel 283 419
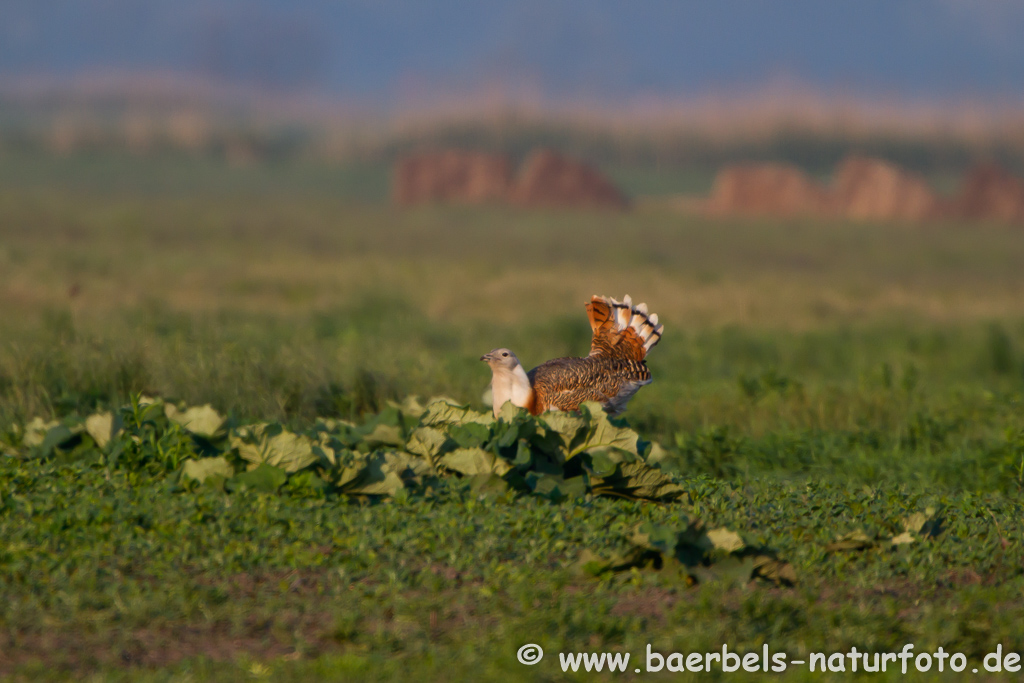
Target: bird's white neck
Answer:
pixel 511 385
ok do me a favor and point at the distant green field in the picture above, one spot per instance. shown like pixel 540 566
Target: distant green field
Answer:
pixel 181 174
pixel 365 182
pixel 815 380
pixel 107 174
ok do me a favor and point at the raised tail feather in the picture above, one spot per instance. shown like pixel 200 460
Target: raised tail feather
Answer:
pixel 622 330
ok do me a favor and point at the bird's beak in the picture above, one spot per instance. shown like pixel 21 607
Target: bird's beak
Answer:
pixel 486 356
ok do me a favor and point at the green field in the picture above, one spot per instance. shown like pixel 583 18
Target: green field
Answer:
pixel 815 380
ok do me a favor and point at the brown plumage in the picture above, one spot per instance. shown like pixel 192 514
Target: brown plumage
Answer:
pixel 610 375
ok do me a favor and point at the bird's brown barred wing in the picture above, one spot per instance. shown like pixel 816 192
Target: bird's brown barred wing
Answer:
pixel 565 383
pixel 622 330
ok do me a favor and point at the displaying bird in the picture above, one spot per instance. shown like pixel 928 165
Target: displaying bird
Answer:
pixel 610 375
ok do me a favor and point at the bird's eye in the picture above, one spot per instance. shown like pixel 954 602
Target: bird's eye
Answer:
pixel 505 355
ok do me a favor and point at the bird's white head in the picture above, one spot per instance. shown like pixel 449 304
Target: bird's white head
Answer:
pixel 501 359
pixel 509 381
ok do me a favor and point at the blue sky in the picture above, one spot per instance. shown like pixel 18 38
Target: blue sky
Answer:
pixel 381 51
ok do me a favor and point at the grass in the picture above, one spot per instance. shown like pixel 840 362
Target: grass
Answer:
pixel 814 379
pixel 448 585
pixel 182 174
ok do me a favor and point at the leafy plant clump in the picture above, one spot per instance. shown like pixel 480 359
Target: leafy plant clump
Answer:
pixel 693 554
pixel 404 447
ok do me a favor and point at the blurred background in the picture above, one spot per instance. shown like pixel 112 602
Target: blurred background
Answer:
pixel 676 88
pixel 303 208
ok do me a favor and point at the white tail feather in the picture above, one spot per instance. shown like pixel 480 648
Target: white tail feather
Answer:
pixel 623 313
pixel 627 315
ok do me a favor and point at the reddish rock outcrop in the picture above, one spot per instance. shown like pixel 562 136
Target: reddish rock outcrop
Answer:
pixel 550 179
pixel 873 189
pixel 990 192
pixel 767 189
pixel 546 179
pixel 451 176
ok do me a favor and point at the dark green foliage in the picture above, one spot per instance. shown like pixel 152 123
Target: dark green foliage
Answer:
pixel 715 452
pixel 694 554
pixel 1000 350
pixel 403 447
pixel 365 394
pixel 303 586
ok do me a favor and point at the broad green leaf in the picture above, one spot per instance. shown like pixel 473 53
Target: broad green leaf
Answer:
pixel 428 442
pixel 546 441
pixel 102 427
pixel 905 537
pixel 36 431
pixel 656 537
pixel 201 420
pixel 470 435
pixel 444 411
pixel 638 480
pixel 325 448
pixel 612 454
pixel 523 455
pixel 915 521
pixel 332 424
pixel 375 482
pixel 470 461
pixel 919 524
pixel 726 540
pixel 306 481
pixel 509 412
pixel 566 426
pixel 347 469
pixel 45 436
pixel 488 484
pixel 385 435
pixel 506 433
pixel 602 464
pixel 601 432
pixel 287 450
pixel 774 570
pixel 385 473
pixel 927 523
pixel 389 415
pixel 556 488
pixel 55 437
pixel 265 478
pixel 657 456
pixel 855 540
pixel 407 465
pixel 200 469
